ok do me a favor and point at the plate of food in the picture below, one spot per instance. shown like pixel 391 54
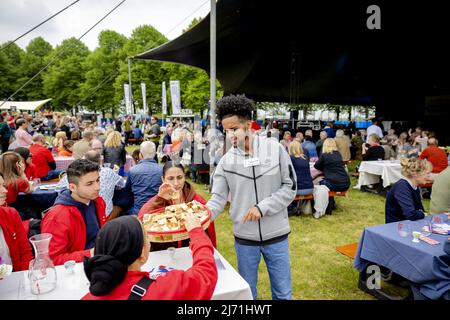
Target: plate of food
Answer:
pixel 167 224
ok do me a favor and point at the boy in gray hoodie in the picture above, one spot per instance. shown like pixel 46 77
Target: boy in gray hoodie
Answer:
pixel 258 174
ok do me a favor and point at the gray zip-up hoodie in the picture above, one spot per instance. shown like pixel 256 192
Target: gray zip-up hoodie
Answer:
pixel 271 186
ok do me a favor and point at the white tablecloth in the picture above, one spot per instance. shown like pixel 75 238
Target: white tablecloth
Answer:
pixel 64 162
pixel 371 171
pixel 230 285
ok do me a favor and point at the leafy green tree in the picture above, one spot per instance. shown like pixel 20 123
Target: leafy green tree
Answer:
pixel 10 73
pixel 63 79
pixel 32 61
pixel 102 67
pixel 142 39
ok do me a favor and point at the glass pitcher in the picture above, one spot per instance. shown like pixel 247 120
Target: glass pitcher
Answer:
pixel 41 273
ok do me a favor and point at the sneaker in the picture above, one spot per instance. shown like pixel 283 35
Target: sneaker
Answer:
pixel 317 215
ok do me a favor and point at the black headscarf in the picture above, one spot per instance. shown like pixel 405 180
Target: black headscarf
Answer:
pixel 119 243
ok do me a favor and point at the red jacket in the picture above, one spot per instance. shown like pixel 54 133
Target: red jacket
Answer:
pixel 189 195
pixel 196 283
pixel 16 238
pixel 437 157
pixel 41 158
pixel 67 226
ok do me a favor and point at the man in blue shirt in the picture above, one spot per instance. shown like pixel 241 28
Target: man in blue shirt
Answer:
pixel 144 179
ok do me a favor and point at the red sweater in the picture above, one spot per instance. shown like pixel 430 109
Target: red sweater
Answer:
pixel 196 283
pixel 16 238
pixel 67 226
pixel 41 158
pixel 437 157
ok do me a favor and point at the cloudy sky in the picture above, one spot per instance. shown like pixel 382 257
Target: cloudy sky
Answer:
pixel 18 16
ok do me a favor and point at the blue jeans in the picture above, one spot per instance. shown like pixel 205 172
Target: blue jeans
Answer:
pixel 52 174
pixel 276 257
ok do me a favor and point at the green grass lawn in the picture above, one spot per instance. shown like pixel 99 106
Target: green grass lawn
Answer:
pixel 318 270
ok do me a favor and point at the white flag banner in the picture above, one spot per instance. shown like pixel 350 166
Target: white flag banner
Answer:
pixel 126 89
pixel 164 99
pixel 175 94
pixel 144 97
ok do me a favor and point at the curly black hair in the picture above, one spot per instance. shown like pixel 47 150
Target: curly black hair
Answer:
pixel 235 105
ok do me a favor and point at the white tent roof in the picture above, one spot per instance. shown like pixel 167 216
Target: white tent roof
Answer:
pixel 24 105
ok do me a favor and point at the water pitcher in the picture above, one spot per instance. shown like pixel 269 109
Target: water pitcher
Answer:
pixel 42 273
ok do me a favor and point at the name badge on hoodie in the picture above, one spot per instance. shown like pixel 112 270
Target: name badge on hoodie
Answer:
pixel 251 162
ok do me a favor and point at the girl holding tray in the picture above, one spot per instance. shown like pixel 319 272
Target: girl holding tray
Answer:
pixel 174 190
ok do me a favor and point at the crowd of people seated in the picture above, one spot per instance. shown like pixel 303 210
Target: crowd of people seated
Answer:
pixel 85 228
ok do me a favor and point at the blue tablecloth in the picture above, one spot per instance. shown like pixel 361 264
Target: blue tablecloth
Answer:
pixel 426 265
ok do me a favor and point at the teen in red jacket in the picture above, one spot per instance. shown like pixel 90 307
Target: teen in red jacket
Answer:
pixel 174 183
pixel 17 251
pixel 77 215
pixel 122 248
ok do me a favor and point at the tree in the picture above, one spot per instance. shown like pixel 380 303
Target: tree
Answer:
pixel 32 61
pixel 10 74
pixel 142 39
pixel 64 77
pixel 102 67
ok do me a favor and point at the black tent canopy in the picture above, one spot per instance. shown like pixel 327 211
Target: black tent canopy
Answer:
pixel 322 51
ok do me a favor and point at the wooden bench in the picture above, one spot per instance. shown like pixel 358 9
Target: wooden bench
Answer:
pixel 426 185
pixel 201 173
pixel 348 250
pixel 330 194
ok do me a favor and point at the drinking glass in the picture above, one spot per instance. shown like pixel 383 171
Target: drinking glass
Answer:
pixel 436 219
pixel 403 229
pixel 171 251
pixel 427 228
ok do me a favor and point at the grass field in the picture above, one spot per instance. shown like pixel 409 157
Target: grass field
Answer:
pixel 318 270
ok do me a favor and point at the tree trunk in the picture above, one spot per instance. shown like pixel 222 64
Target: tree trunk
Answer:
pixel 350 110
pixel 366 110
pixel 338 113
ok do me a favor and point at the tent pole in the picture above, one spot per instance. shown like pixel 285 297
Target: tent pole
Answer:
pixel 129 85
pixel 212 62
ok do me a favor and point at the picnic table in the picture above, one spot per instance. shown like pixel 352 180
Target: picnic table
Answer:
pixel 425 265
pixel 230 285
pixel 370 172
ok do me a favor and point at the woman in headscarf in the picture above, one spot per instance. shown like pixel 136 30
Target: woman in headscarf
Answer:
pixel 122 248
pixel 174 183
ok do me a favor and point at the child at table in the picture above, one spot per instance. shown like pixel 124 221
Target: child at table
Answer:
pixel 122 248
pixel 174 180
pixel 403 200
pixel 12 167
pixel 67 149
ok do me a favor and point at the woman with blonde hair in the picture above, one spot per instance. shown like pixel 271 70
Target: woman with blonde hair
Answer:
pixel 114 152
pixel 403 201
pixel 287 138
pixel 58 141
pixel 332 166
pixel 301 166
pixel 64 126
